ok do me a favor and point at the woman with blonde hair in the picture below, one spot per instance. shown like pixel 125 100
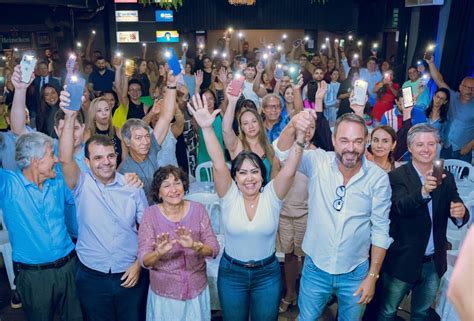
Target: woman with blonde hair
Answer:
pixel 99 121
pixel 252 136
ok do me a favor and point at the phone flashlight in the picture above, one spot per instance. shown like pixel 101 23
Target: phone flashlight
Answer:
pixel 230 29
pixel 167 54
pixel 15 49
pixel 375 45
pixel 323 46
pixel 359 43
pixel 79 44
pixel 73 78
pixel 143 44
pixel 240 34
pixel 224 55
pixel 93 32
pixel 356 56
pixel 201 46
pixel 284 36
pixel 327 39
pixel 306 38
pixel 336 40
pixel 185 44
pixel 118 54
pixel 349 37
pixel 214 52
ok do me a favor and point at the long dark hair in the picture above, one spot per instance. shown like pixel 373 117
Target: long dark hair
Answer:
pixel 254 158
pixel 389 130
pixel 44 109
pixel 443 112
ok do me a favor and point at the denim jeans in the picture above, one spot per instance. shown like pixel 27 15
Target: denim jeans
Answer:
pixel 249 290
pixel 422 296
pixel 448 153
pixel 317 286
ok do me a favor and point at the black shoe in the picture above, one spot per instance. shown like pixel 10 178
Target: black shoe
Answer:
pixel 15 302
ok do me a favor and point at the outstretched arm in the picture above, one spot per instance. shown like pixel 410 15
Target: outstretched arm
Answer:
pixel 204 119
pixel 435 74
pixel 162 126
pixel 18 113
pixel 231 140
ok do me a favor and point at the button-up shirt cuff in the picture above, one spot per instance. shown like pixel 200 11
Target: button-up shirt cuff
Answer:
pixel 140 258
pixel 381 240
pixel 282 155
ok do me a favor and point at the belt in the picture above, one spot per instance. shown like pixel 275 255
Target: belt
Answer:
pixel 250 264
pixel 53 265
pixel 428 258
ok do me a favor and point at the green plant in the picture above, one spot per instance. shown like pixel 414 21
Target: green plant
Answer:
pixel 165 4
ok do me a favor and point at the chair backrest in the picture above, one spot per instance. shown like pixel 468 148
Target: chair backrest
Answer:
pixel 213 208
pixel 458 168
pixel 204 172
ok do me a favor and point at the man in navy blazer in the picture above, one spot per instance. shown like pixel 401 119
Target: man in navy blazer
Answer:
pixel 419 216
pixel 34 91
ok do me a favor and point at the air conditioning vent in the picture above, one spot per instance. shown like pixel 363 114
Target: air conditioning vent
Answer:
pixel 418 3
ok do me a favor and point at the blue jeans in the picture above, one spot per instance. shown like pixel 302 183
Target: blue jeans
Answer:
pixel 449 153
pixel 103 299
pixel 317 286
pixel 249 290
pixel 422 296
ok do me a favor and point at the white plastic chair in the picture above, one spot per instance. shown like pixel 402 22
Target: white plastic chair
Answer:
pixel 6 250
pixel 212 205
pixel 457 167
pixel 207 168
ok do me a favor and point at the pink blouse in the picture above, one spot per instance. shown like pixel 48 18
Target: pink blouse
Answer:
pixel 180 274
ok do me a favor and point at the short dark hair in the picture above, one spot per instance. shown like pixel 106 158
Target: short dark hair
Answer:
pixel 162 174
pixel 373 58
pixel 97 139
pixel 136 82
pixel 304 56
pixel 254 158
pixel 412 67
pixel 60 115
pixel 100 58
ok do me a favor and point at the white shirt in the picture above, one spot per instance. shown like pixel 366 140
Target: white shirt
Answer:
pixel 247 240
pixel 338 241
pixel 248 93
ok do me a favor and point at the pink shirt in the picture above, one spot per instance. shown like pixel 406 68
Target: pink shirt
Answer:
pixel 180 274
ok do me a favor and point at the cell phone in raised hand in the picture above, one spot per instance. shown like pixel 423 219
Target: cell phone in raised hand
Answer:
pixel 407 97
pixel 129 67
pixel 27 65
pixel 71 62
pixel 438 167
pixel 75 88
pixel 341 44
pixel 294 72
pixel 236 84
pixel 173 61
pixel 279 73
pixel 360 91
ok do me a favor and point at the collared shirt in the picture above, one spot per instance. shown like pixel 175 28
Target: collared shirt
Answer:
pixel 430 249
pixel 274 132
pixel 338 241
pixel 331 94
pixel 460 121
pixel 107 216
pixel 7 149
pixel 394 118
pixel 35 218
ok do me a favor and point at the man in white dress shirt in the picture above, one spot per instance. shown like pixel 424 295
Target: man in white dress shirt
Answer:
pixel 348 205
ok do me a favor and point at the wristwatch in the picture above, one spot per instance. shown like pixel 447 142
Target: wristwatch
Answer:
pixel 300 144
pixel 171 87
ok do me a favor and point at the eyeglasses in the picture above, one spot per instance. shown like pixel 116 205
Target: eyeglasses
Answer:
pixel 339 202
pixel 273 107
pixel 468 88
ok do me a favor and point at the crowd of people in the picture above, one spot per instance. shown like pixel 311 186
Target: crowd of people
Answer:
pixel 94 199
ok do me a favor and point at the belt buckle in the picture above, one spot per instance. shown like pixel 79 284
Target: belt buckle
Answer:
pixel 250 264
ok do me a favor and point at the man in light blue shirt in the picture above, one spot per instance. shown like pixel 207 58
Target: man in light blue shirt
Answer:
pixel 371 74
pixel 33 202
pixel 460 140
pixel 418 88
pixel 108 214
pixel 348 217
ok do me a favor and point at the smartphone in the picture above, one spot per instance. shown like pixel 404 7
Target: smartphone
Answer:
pixel 75 88
pixel 129 67
pixel 360 91
pixel 294 72
pixel 173 61
pixel 27 65
pixel 407 97
pixel 279 73
pixel 243 60
pixel 236 85
pixel 428 54
pixel 425 79
pixel 71 62
pixel 438 167
pixel 341 43
pixel 297 42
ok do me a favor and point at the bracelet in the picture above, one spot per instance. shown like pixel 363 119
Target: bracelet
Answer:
pixel 171 87
pixel 373 275
pixel 302 145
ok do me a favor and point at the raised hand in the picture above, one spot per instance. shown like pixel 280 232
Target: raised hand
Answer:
pixel 358 109
pixel 171 80
pixel 155 110
pixel 201 113
pixel 16 79
pixel 163 244
pixel 302 121
pixel 260 68
pixel 298 85
pixel 198 78
pixel 322 90
pixel 184 237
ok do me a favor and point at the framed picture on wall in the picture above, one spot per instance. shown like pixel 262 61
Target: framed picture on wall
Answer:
pixel 43 39
pixel 128 36
pixel 167 36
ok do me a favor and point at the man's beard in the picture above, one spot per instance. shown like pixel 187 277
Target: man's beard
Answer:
pixel 351 163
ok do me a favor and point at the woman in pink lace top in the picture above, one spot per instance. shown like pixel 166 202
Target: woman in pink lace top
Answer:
pixel 174 238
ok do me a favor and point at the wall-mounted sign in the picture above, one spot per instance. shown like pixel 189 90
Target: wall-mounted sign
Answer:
pixel 126 15
pixel 128 36
pixel 22 37
pixel 164 15
pixel 126 1
pixel 167 36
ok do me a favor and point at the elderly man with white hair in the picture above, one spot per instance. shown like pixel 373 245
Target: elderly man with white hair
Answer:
pixel 33 203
